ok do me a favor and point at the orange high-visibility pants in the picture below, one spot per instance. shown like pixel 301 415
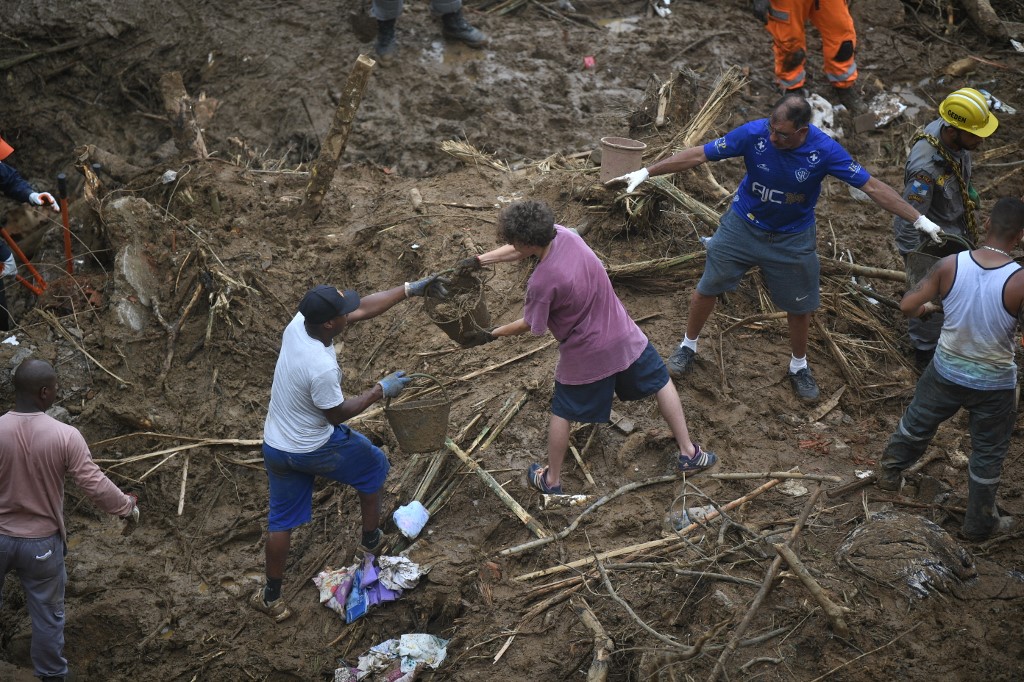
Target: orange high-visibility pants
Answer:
pixel 786 20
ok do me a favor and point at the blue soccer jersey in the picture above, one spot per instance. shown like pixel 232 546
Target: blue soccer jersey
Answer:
pixel 781 186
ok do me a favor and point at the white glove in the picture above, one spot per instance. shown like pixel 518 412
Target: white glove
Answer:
pixel 929 228
pixel 131 519
pixel 631 179
pixel 41 198
pixel 10 267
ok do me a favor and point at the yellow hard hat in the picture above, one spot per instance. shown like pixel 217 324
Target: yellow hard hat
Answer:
pixel 967 109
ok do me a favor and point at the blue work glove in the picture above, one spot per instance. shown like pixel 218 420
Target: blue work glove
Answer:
pixel 760 9
pixel 433 286
pixel 394 383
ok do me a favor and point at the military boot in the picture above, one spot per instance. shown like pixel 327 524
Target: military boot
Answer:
pixel 386 45
pixel 455 26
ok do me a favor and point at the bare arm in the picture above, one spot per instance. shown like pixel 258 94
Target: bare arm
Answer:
pixel 889 199
pixel 350 407
pixel 680 161
pixel 375 304
pixel 918 301
pixel 512 328
pixel 502 254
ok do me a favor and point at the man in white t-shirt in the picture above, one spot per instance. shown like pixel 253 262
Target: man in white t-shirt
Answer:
pixel 305 436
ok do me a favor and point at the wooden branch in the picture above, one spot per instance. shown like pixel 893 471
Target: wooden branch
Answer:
pixel 333 145
pixel 206 442
pixel 831 266
pixel 833 612
pixel 603 644
pixel 505 419
pixel 489 481
pixel 643 546
pixel 760 317
pixel 686 651
pixel 537 609
pixel 776 474
pixel 485 370
pixel 766 587
pixel 184 480
pixel 826 407
pixel 52 320
pixel 180 108
pixel 63 47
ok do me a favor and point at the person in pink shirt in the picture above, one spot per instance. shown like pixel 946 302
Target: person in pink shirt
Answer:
pixel 36 453
pixel 601 351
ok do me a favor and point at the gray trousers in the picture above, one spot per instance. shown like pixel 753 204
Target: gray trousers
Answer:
pixel 992 414
pixel 392 9
pixel 39 563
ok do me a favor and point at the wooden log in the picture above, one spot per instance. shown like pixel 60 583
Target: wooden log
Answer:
pixel 188 136
pixel 333 145
pixel 489 481
pixel 833 612
pixel 603 644
pixel 986 19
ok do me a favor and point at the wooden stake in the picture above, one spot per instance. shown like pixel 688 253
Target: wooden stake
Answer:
pixel 489 481
pixel 833 612
pixel 333 145
pixel 184 480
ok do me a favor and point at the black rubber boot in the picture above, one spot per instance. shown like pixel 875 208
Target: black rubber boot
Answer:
pixel 386 45
pixel 455 26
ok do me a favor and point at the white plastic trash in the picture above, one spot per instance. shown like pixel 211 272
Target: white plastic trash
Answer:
pixel 411 518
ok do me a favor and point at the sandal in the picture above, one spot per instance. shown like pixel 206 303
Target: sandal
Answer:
pixel 535 475
pixel 701 460
pixel 277 609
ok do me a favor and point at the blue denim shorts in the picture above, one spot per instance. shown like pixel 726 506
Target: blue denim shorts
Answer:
pixel 592 403
pixel 788 262
pixel 347 457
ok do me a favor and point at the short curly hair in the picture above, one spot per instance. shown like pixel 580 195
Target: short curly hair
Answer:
pixel 530 223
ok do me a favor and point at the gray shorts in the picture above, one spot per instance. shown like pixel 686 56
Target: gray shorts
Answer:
pixel 788 262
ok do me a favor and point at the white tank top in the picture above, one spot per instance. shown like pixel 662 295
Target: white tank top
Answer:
pixel 975 348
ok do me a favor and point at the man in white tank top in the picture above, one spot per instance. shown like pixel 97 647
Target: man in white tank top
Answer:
pixel 982 294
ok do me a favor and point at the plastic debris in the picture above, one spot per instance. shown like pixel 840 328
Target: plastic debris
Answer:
pixel 398 573
pixel 11 340
pixel 351 591
pixel 589 62
pixel 168 177
pixel 411 518
pixel 397 660
pixel 823 116
pixel 335 586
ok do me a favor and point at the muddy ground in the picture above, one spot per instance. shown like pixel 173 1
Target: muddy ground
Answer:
pixel 221 255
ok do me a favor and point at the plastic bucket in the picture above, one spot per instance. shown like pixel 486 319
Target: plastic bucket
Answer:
pixel 420 425
pixel 456 320
pixel 921 260
pixel 620 155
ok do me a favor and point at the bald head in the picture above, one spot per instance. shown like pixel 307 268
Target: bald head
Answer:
pixel 792 107
pixel 35 385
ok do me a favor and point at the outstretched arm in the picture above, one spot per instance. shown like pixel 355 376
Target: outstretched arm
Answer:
pixel 889 199
pixel 918 301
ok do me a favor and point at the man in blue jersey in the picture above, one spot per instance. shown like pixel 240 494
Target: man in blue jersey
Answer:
pixel 771 222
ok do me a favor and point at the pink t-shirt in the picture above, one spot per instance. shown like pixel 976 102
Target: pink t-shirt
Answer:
pixel 569 293
pixel 36 451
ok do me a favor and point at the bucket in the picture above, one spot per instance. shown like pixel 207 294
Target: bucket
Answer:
pixel 620 155
pixel 420 425
pixel 463 312
pixel 921 259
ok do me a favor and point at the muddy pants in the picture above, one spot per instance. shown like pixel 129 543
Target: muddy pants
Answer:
pixel 786 20
pixel 392 9
pixel 39 563
pixel 992 414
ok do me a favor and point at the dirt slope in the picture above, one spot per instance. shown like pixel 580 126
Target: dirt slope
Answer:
pixel 222 242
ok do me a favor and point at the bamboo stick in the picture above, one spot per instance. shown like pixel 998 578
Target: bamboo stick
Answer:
pixel 643 546
pixel 489 481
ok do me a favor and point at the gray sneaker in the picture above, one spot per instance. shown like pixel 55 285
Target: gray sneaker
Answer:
pixel 681 362
pixel 804 384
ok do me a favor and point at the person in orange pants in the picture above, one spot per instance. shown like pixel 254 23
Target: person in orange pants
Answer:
pixel 785 20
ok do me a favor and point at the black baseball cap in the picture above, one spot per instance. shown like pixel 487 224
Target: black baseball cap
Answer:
pixel 323 303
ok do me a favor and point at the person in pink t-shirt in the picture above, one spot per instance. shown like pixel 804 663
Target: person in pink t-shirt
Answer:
pixel 36 453
pixel 601 351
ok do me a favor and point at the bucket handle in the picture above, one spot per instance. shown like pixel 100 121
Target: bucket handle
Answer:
pixel 444 391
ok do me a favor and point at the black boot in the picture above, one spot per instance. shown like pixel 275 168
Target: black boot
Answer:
pixel 455 26
pixel 386 45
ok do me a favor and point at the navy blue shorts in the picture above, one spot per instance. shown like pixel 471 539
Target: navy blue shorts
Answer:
pixel 592 403
pixel 788 262
pixel 347 457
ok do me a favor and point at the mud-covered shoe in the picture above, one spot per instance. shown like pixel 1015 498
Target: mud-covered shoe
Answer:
pixel 888 480
pixel 277 609
pixel 804 385
pixel 386 45
pixel 851 99
pixel 372 542
pixel 681 361
pixel 455 27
